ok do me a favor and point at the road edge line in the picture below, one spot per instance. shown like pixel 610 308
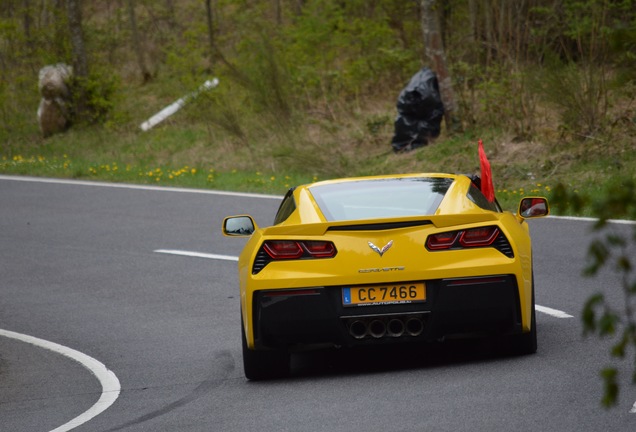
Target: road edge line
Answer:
pixel 107 378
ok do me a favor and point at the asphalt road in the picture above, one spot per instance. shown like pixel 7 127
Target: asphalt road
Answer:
pixel 79 268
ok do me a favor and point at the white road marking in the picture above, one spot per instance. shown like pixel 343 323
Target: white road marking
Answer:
pixel 589 219
pixel 197 254
pixel 108 380
pixel 137 187
pixel 546 310
pixel 552 312
pixel 633 410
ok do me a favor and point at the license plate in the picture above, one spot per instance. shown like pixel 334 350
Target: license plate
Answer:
pixel 384 294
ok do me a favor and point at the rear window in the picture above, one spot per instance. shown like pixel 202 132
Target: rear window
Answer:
pixel 381 198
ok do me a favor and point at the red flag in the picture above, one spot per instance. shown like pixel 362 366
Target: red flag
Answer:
pixel 487 187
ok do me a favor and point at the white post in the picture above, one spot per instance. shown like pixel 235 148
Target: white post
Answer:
pixel 176 106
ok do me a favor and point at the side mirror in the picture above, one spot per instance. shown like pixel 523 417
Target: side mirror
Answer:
pixel 239 226
pixel 532 207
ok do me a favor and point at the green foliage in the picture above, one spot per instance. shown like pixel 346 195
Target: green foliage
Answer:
pixel 346 47
pixel 582 96
pixel 616 252
pixel 101 89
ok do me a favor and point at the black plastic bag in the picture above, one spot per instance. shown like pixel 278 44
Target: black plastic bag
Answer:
pixel 420 112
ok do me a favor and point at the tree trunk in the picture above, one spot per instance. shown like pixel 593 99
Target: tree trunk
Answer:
pixel 80 62
pixel 27 22
pixel 435 52
pixel 172 19
pixel 279 12
pixel 488 32
pixel 145 74
pixel 208 10
pixel 217 54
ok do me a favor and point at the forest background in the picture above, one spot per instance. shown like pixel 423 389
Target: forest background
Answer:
pixel 308 89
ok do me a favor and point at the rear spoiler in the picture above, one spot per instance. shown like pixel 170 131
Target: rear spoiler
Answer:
pixel 438 221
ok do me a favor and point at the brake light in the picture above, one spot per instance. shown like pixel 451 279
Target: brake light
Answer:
pixel 320 249
pixel 291 249
pixel 442 241
pixel 479 236
pixel 474 237
pixel 283 249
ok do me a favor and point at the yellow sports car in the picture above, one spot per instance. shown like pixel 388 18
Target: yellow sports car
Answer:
pixel 383 260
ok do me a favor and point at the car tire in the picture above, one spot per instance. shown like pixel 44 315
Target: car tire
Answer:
pixel 263 364
pixel 526 343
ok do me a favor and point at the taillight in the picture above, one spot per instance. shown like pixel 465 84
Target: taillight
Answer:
pixel 283 249
pixel 291 249
pixel 441 241
pixel 479 236
pixel 320 249
pixel 474 237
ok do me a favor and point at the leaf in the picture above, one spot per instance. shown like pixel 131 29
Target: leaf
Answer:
pixel 611 387
pixel 597 253
pixel 623 264
pixel 618 350
pixel 589 316
pixel 607 324
pixel 616 240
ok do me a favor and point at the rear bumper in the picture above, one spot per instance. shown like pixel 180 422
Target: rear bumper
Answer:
pixel 453 308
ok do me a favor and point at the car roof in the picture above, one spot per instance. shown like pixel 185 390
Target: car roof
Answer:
pixel 308 209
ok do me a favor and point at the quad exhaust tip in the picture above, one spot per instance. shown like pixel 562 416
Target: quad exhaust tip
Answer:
pixel 378 328
pixel 358 329
pixel 395 328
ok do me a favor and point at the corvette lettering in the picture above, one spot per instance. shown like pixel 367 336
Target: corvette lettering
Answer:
pixel 378 270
